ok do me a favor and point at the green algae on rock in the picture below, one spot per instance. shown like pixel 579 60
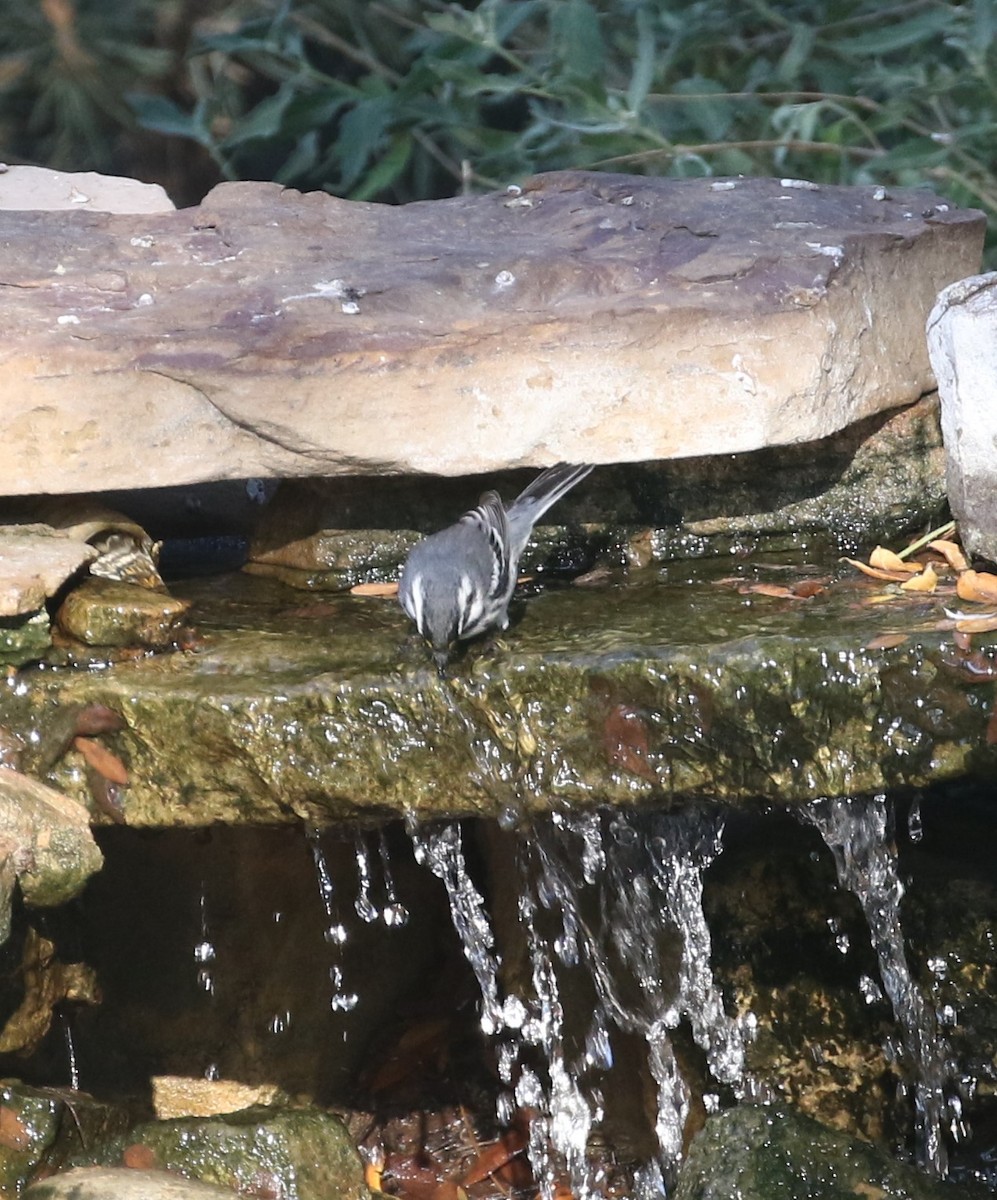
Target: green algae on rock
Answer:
pixel 105 612
pixel 667 685
pixel 297 1153
pixel 757 1152
pixel 47 841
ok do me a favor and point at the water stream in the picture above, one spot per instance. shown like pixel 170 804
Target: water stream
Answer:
pixel 615 940
pixel 856 830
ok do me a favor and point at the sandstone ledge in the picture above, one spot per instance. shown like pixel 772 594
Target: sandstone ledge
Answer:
pixel 652 690
pixel 591 317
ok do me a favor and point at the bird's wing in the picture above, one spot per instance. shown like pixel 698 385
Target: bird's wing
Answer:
pixel 490 518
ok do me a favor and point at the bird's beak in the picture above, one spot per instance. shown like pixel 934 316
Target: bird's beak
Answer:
pixel 441 657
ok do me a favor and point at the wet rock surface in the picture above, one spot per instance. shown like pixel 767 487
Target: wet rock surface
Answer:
pixel 301 1154
pixel 590 317
pixel 662 685
pixel 109 1183
pixel 757 1153
pixel 46 844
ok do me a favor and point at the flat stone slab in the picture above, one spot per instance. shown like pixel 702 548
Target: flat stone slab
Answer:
pixel 27 188
pixel 670 686
pixel 34 564
pixel 585 317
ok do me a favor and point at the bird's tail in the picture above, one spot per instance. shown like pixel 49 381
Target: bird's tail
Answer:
pixel 534 500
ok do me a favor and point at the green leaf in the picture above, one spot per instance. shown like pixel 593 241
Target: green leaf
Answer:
pixel 578 38
pixel 384 173
pixel 360 133
pixel 161 115
pixel 900 35
pixel 642 73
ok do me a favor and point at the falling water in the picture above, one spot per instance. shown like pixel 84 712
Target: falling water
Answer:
pixel 204 948
pixel 340 1000
pixel 855 830
pixel 607 895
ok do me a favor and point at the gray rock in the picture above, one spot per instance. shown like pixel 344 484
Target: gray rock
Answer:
pixel 592 317
pixel 759 1153
pixel 45 842
pixel 962 341
pixel 122 1183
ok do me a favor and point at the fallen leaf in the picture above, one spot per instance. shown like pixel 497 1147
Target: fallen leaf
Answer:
pixel 980 586
pixel 492 1158
pixel 778 590
pixel 963 641
pixel 372 1173
pixel 977 624
pixel 808 587
pixel 886 641
pixel 991 734
pixel 380 590
pixel 97 718
pixel 886 560
pixel 138 1156
pixel 952 553
pixel 878 572
pixel 924 581
pixel 624 739
pixel 102 760
pixel 14 1134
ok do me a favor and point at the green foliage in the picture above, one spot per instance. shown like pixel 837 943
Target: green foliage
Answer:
pixel 400 100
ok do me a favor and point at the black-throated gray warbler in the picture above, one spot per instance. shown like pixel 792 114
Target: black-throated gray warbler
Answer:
pixel 458 583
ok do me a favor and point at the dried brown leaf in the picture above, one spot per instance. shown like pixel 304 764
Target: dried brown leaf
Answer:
pixel 808 587
pixel 886 641
pixel 886 560
pixel 924 581
pixel 380 590
pixel 878 572
pixel 777 590
pixel 951 552
pixel 977 624
pixel 103 761
pixel 980 586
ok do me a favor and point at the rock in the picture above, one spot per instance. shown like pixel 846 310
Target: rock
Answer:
pixel 47 982
pixel 636 690
pixel 757 1153
pixel 962 342
pixel 300 1154
pixel 873 482
pixel 592 317
pixel 34 563
pixel 45 841
pixel 103 612
pixel 109 1183
pixel 40 1126
pixel 33 188
pixel 189 1096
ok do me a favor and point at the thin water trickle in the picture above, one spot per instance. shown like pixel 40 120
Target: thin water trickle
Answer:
pixel 204 949
pixel 855 830
pixel 71 1060
pixel 335 935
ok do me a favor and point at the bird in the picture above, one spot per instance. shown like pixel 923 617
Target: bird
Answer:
pixel 457 583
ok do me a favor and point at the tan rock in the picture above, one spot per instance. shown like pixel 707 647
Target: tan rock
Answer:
pixel 35 188
pixel 189 1096
pixel 591 317
pixel 34 564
